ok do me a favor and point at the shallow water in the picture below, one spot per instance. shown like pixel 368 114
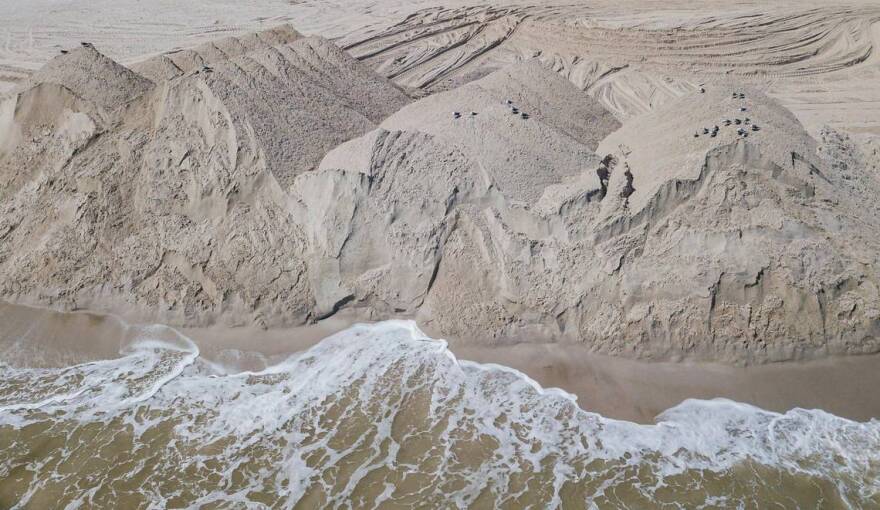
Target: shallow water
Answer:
pixel 380 416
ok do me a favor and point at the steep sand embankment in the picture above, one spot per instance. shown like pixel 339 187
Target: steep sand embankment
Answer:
pixel 270 180
pixel 713 227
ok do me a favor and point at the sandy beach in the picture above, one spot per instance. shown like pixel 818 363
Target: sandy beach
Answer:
pixel 613 387
pixel 232 235
pixel 627 389
pixel 640 390
pixel 634 390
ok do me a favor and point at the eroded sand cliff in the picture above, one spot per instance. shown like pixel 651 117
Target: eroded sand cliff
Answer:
pixel 271 179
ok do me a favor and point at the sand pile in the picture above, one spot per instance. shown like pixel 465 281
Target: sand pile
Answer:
pixel 750 242
pixel 91 76
pixel 743 243
pixel 381 209
pixel 166 201
pixel 185 60
pixel 301 96
pixel 271 180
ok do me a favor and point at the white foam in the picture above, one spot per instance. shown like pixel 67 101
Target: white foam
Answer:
pixel 378 365
pixel 98 385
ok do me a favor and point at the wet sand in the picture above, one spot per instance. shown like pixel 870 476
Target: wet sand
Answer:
pixel 622 388
pixel 616 388
pixel 640 390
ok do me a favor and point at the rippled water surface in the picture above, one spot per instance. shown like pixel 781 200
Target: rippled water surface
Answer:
pixel 380 416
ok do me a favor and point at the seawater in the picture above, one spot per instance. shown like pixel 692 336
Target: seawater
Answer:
pixel 381 416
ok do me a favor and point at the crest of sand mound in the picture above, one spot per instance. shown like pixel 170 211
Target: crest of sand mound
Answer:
pixel 158 68
pixel 220 50
pixel 173 207
pixel 729 247
pixel 93 77
pixel 661 146
pixel 301 96
pixel 59 109
pixel 526 127
pixel 537 90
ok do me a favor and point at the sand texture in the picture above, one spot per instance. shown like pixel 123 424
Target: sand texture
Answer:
pixel 665 182
pixel 616 388
pixel 167 198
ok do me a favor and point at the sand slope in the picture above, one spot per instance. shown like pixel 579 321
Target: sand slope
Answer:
pixel 758 244
pixel 271 179
pixel 734 247
pixel 166 200
pixel 381 209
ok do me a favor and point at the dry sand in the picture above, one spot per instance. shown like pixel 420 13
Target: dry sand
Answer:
pixel 267 179
pixel 632 54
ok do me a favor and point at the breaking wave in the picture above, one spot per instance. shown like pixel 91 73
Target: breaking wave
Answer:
pixel 382 416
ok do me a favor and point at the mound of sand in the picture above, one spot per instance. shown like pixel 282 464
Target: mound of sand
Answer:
pixel 167 201
pixel 745 246
pixel 381 208
pixel 271 180
pixel 302 96
pixel 732 247
pixel 93 77
pixel 525 134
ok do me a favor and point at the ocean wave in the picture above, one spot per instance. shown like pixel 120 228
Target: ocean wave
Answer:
pixel 381 415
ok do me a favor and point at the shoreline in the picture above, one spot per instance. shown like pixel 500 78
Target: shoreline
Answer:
pixel 636 390
pixel 617 388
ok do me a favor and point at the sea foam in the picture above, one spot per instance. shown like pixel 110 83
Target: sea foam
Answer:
pixel 382 414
